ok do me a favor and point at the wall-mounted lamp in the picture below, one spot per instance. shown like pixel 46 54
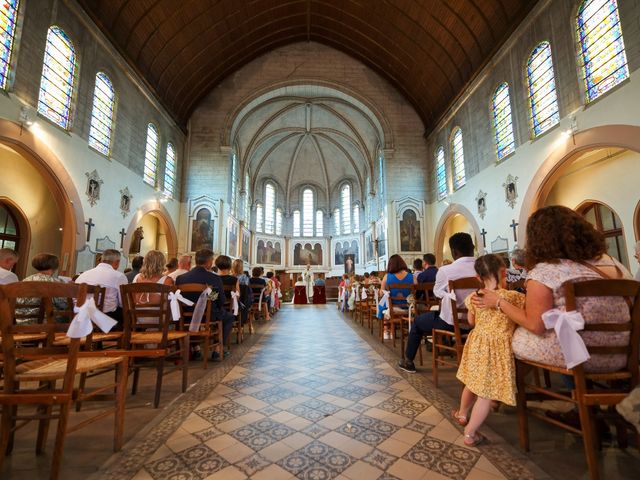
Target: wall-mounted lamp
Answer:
pixel 25 118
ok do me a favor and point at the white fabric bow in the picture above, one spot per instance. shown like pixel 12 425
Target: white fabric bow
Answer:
pixel 81 326
pixel 260 301
pixel 364 294
pixel 384 301
pixel 174 298
pixel 234 302
pixel 375 292
pixel 566 326
pixel 198 311
pixel 445 305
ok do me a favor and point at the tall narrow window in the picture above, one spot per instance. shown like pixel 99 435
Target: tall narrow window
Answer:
pixel 602 53
pixel 151 155
pixel 170 171
pixel 368 206
pixel 441 173
pixel 259 217
pixel 345 197
pixel 336 221
pixel 502 121
pixel 102 114
pixel 307 212
pixel 269 208
pixel 356 218
pixel 247 198
pixel 278 221
pixel 234 183
pixel 319 223
pixel 459 177
pixel 543 100
pixel 58 78
pixel 380 179
pixel 8 17
pixel 296 223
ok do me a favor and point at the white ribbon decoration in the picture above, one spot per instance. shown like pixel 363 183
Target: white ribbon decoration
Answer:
pixel 384 301
pixel 364 294
pixel 81 325
pixel 260 301
pixel 375 292
pixel 174 298
pixel 199 309
pixel 566 326
pixel 445 306
pixel 234 302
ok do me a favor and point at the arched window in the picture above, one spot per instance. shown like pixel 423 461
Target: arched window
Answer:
pixel 8 17
pixel 356 218
pixel 170 171
pixel 602 53
pixel 269 208
pixel 345 198
pixel 58 78
pixel 459 177
pixel 259 217
pixel 151 155
pixel 336 221
pixel 247 198
pixel 441 173
pixel 307 212
pixel 368 206
pixel 543 100
pixel 234 183
pixel 607 221
pixel 102 114
pixel 296 223
pixel 9 233
pixel 278 221
pixel 380 179
pixel 502 121
pixel 319 223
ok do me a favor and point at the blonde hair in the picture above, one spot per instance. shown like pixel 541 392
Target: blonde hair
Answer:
pixel 153 264
pixel 237 267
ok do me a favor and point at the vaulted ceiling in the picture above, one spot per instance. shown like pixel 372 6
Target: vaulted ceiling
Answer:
pixel 428 49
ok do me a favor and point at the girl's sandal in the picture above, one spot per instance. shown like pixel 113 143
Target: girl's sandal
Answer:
pixel 459 419
pixel 474 440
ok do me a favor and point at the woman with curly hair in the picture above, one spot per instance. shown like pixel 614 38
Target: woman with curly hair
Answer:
pixel 563 247
pixel 151 272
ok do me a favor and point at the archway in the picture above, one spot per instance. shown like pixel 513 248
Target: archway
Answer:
pixel 158 231
pixel 15 233
pixel 607 222
pixel 455 218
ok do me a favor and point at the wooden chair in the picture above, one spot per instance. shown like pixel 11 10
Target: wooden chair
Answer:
pixel 398 319
pixel 238 325
pixel 148 324
pixel 209 335
pixel 591 389
pixel 257 307
pixel 363 307
pixel 425 300
pixel 448 344
pixel 32 370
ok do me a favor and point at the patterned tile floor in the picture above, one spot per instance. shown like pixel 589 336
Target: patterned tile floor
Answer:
pixel 313 400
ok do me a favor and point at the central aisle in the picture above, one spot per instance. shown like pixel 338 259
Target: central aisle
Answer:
pixel 313 400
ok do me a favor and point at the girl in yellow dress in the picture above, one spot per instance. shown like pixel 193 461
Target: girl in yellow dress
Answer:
pixel 487 368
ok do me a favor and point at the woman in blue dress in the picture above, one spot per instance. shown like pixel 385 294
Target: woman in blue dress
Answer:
pixel 397 274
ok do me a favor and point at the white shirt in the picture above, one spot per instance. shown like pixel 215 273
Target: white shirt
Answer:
pixel 7 276
pixel 177 273
pixel 461 268
pixel 105 276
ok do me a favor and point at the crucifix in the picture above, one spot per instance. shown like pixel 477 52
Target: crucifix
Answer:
pixel 122 235
pixel 514 225
pixel 484 237
pixel 89 224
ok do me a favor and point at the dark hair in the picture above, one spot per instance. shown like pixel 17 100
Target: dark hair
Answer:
pixel 269 274
pixel 173 263
pixel 137 261
pixel 45 261
pixel 429 259
pixel 557 232
pixel 256 271
pixel 488 266
pixel 462 243
pixel 203 255
pixel 223 262
pixel 366 274
pixel 417 264
pixel 214 269
pixel 396 264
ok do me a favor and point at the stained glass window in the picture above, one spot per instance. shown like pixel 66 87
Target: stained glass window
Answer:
pixel 381 179
pixel 307 213
pixel 604 61
pixel 459 178
pixel 58 78
pixel 259 217
pixel 8 16
pixel 102 114
pixel 336 221
pixel 234 183
pixel 345 195
pixel 151 155
pixel 502 121
pixel 247 198
pixel 170 171
pixel 356 218
pixel 296 223
pixel 441 173
pixel 269 208
pixel 278 221
pixel 319 223
pixel 543 100
pixel 369 206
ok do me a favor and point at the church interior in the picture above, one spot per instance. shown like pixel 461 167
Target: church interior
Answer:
pixel 316 144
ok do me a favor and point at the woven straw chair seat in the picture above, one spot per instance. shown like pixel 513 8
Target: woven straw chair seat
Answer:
pixel 155 337
pixel 97 337
pixel 28 337
pixel 51 369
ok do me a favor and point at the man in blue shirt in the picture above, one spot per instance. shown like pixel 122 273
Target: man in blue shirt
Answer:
pixel 428 275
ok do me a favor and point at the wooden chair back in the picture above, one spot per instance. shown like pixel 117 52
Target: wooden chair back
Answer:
pixel 459 313
pixel 146 306
pixel 425 298
pixel 98 293
pixel 186 312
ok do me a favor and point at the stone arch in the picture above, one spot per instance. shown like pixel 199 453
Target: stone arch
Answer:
pixel 156 209
pixel 451 211
pixel 24 232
